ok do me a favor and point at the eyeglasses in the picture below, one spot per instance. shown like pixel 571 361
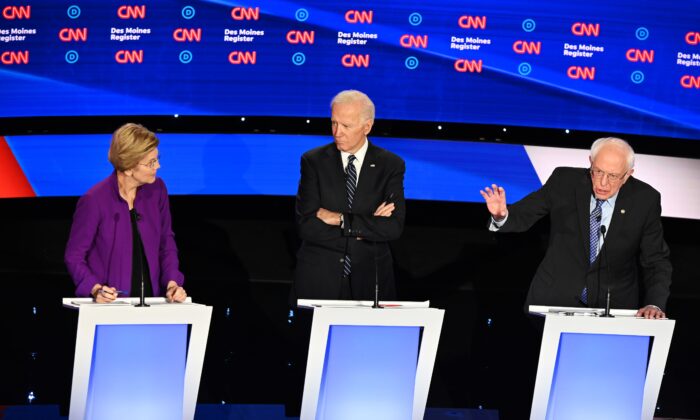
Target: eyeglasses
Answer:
pixel 612 178
pixel 152 163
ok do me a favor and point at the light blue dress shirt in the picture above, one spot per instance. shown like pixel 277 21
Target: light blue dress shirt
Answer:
pixel 607 208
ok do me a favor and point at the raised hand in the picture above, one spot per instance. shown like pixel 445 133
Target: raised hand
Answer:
pixel 495 198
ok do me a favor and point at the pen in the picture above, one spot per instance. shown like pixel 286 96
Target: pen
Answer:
pixel 103 291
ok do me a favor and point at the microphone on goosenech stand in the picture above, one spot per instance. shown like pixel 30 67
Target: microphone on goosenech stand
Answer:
pixel 376 278
pixel 142 296
pixel 606 314
pixel 388 199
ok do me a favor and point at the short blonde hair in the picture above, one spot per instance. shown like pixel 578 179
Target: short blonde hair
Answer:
pixel 130 143
pixel 348 96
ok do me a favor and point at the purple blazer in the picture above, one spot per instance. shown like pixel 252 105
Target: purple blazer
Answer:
pixel 99 248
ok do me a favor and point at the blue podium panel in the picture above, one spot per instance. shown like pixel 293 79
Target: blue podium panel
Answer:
pixel 369 373
pixel 599 376
pixel 137 372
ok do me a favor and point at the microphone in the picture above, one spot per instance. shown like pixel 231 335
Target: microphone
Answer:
pixel 606 314
pixel 142 296
pixel 387 199
pixel 376 277
pixel 595 303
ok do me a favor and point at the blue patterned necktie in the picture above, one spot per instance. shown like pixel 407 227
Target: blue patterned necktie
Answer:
pixel 596 216
pixel 350 185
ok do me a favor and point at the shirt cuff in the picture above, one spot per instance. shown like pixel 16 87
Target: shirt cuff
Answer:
pixel 494 226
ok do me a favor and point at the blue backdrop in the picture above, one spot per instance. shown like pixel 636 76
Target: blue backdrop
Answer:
pixel 253 164
pixel 623 66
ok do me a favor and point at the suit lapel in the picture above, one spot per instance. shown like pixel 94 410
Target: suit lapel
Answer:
pixel 336 178
pixel 368 174
pixel 583 208
pixel 619 213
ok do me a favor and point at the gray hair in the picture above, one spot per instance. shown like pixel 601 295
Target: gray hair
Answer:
pixel 348 96
pixel 598 145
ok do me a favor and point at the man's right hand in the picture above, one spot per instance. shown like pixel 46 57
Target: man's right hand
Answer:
pixel 328 217
pixel 495 198
pixel 104 294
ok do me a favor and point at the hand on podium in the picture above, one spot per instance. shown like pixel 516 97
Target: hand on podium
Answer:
pixel 651 312
pixel 175 293
pixel 104 294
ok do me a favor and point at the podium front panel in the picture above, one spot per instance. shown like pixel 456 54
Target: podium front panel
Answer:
pixel 602 368
pixel 369 372
pixel 599 376
pixel 142 368
pixel 137 363
pixel 370 364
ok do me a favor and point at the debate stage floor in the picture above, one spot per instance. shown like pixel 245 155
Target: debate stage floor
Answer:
pixel 238 412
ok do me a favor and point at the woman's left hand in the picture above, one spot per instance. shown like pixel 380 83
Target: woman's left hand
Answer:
pixel 175 293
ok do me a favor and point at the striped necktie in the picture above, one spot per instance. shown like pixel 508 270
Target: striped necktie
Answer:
pixel 350 185
pixel 350 180
pixel 596 216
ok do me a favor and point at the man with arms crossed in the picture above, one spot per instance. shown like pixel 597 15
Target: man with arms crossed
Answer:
pixel 350 203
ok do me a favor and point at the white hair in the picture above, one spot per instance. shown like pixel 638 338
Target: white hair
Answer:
pixel 598 145
pixel 348 96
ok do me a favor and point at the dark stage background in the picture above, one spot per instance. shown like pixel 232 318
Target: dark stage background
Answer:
pixel 237 253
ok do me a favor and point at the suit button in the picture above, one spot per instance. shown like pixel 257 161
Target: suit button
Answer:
pixel 342 260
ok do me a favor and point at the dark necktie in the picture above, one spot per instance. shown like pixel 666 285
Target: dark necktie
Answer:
pixel 350 181
pixel 350 185
pixel 596 216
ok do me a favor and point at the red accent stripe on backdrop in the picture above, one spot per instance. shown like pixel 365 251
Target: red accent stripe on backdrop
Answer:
pixel 13 182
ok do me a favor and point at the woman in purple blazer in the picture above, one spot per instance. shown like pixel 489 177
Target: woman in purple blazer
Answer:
pixel 121 234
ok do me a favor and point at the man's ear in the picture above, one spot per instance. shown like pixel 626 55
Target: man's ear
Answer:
pixel 368 126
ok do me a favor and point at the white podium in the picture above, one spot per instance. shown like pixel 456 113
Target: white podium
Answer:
pixel 137 363
pixel 366 363
pixel 592 367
